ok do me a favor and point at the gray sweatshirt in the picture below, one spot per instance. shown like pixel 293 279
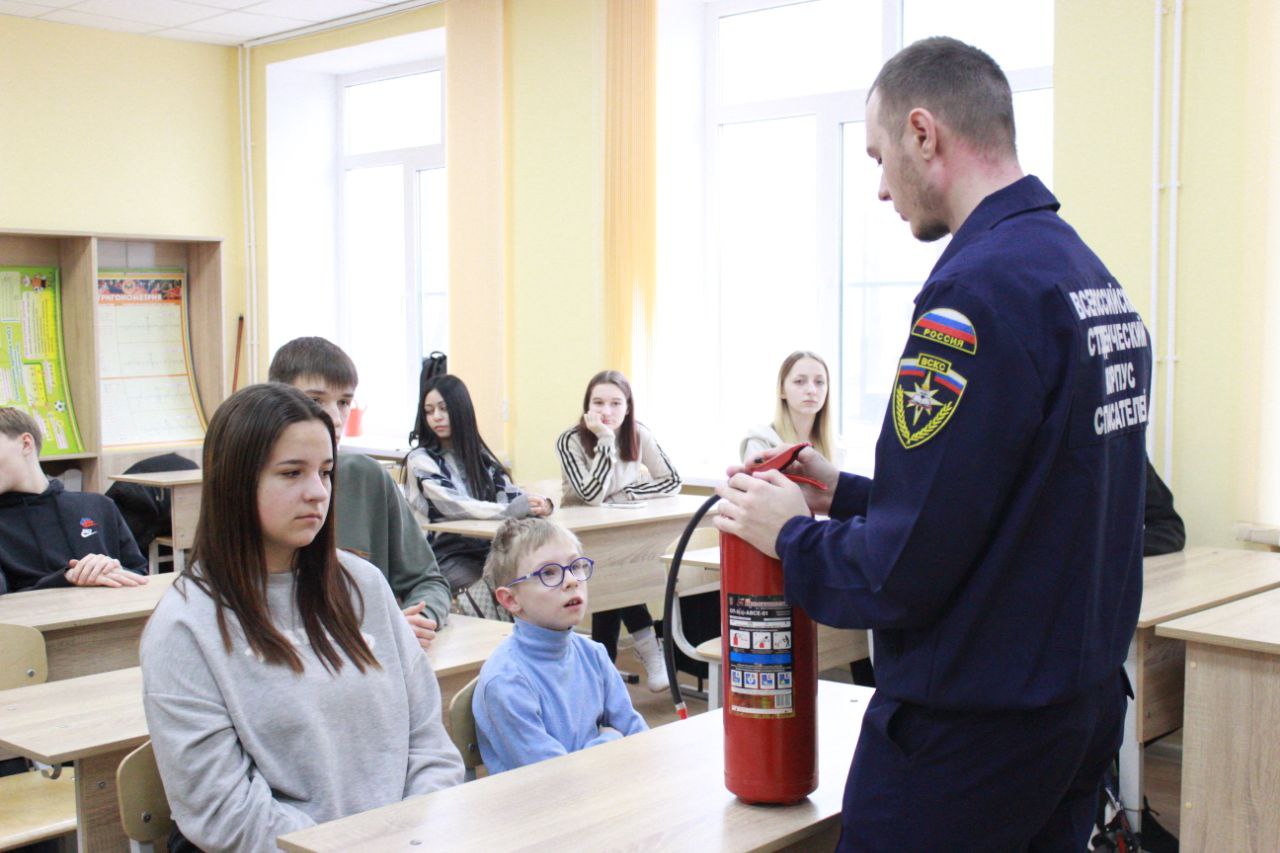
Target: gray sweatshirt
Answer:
pixel 249 751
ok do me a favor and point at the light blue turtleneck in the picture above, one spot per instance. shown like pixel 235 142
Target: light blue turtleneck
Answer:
pixel 545 693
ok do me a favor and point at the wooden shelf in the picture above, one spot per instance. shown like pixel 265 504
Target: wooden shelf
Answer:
pixel 79 258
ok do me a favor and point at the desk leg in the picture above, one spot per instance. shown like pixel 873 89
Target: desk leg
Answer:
pixel 1131 748
pixel 97 808
pixel 713 686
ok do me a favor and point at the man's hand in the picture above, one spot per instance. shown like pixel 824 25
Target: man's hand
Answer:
pixel 424 628
pixel 754 507
pixel 812 464
pixel 101 570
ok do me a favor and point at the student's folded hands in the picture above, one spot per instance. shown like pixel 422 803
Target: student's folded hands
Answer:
pixel 101 570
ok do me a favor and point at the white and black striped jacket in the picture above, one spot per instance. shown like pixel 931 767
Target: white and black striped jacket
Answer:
pixel 603 477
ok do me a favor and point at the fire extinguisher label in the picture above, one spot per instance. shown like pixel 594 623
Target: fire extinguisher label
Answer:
pixel 760 661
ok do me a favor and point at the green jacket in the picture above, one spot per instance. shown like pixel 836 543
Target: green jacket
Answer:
pixel 375 523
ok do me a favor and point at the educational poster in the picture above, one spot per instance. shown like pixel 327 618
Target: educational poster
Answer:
pixel 33 366
pixel 145 380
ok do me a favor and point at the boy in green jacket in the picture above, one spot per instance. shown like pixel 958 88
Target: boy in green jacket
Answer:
pixel 374 521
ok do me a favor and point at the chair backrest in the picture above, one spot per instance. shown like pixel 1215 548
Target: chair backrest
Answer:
pixel 144 808
pixel 22 656
pixel 462 726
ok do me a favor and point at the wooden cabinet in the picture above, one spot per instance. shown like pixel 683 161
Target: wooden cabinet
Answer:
pixel 79 257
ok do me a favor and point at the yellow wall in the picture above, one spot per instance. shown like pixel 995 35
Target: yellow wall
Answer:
pixel 555 56
pixel 125 134
pixel 1103 73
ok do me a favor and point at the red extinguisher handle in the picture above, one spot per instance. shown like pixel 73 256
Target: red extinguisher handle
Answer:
pixel 782 459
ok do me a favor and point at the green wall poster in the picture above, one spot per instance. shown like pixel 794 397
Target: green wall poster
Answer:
pixel 33 367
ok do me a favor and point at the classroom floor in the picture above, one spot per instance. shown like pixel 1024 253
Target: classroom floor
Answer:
pixel 1163 759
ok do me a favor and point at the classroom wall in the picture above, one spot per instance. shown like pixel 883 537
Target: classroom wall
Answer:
pixel 1103 75
pixel 125 134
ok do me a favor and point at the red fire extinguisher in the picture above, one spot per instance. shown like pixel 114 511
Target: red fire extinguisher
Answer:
pixel 769 668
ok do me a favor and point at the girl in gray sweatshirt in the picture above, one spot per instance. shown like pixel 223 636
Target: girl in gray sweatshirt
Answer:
pixel 283 687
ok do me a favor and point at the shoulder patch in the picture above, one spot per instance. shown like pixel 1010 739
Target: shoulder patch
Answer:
pixel 925 397
pixel 948 327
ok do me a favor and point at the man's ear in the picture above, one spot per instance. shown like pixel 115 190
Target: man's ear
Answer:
pixel 507 599
pixel 922 132
pixel 28 443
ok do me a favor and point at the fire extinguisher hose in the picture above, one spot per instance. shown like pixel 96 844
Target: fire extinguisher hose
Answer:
pixel 669 601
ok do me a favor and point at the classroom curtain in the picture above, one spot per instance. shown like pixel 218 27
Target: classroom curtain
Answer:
pixel 630 170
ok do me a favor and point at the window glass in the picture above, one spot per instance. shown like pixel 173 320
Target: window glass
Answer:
pixel 374 299
pixel 1033 119
pixel 433 260
pixel 399 112
pixel 800 49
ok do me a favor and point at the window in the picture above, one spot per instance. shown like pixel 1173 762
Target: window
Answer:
pixel 798 251
pixel 393 298
pixel 356 215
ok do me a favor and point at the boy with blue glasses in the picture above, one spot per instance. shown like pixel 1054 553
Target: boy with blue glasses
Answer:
pixel 546 691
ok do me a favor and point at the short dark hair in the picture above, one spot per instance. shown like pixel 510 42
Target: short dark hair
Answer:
pixel 313 356
pixel 15 422
pixel 958 83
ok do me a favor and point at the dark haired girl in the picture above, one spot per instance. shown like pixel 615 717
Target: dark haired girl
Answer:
pixel 282 685
pixel 455 475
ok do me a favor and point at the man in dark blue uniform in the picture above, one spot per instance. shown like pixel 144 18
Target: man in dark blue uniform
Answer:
pixel 998 551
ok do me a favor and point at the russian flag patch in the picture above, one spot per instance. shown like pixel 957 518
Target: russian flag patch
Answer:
pixel 948 327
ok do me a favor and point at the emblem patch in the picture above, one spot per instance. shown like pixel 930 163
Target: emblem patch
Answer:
pixel 925 397
pixel 948 327
pixel 88 527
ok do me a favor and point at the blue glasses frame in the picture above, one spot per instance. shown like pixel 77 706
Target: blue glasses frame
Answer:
pixel 580 568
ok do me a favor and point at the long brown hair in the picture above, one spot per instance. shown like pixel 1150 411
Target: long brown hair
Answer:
pixel 819 436
pixel 628 440
pixel 229 557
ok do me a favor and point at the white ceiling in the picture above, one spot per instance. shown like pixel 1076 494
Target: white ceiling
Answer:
pixel 214 21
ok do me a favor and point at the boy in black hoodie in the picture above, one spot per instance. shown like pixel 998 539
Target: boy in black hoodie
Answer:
pixel 50 537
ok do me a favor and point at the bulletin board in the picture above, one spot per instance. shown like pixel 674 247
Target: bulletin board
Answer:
pixel 146 382
pixel 33 365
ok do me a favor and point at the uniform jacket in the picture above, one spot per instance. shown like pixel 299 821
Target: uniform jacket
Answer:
pixel 40 533
pixel 998 551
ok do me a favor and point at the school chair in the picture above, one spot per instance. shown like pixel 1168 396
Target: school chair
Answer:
pixel 32 807
pixel 144 808
pixel 462 729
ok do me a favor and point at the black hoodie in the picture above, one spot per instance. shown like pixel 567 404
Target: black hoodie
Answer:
pixel 40 533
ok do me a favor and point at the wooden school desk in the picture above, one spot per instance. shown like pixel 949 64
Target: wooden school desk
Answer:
pixel 96 720
pixel 87 629
pixel 1231 741
pixel 673 797
pixel 184 508
pixel 836 646
pixel 626 543
pixel 1175 585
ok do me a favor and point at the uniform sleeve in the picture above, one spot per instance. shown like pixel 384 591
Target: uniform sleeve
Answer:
pixel 515 734
pixel 218 800
pixel 619 713
pixel 438 498
pixel 414 572
pixel 587 476
pixel 1163 531
pixel 945 466
pixel 663 479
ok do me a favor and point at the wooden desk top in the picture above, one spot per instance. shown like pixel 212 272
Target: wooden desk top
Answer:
pixel 581 519
pixel 698 558
pixel 466 643
pixel 163 479
pixel 72 607
pixel 1251 624
pixel 1175 585
pixel 674 797
pixel 74 718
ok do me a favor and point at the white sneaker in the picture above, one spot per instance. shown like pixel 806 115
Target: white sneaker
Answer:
pixel 649 650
